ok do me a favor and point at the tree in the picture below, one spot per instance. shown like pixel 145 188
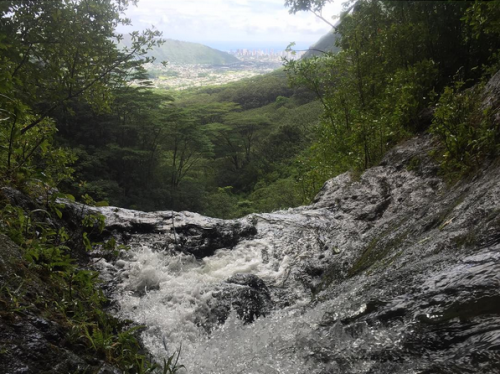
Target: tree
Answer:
pixel 121 151
pixel 394 56
pixel 187 144
pixel 313 6
pixel 56 51
pixel 56 56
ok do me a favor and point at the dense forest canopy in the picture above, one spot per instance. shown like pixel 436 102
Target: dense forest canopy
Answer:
pixel 255 145
pixel 57 55
pixel 58 64
pixel 395 60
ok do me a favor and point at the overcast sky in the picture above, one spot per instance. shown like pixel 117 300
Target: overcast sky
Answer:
pixel 231 24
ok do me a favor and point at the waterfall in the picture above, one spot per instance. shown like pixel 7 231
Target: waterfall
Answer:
pixel 388 274
pixel 171 292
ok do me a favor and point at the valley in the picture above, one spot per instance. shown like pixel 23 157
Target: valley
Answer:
pixel 167 207
pixel 184 76
pixel 248 64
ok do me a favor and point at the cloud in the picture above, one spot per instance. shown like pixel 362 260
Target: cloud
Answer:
pixel 228 20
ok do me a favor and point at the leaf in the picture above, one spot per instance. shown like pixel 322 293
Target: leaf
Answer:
pixel 86 242
pixel 58 213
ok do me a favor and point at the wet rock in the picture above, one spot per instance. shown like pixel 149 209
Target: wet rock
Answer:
pixel 17 198
pixel 246 294
pixel 108 369
pixel 492 94
pixel 204 241
pixel 10 255
pixel 249 280
pixel 32 345
pixel 32 341
pixel 184 232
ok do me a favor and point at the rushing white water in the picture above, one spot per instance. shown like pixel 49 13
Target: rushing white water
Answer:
pixel 186 285
pixel 166 293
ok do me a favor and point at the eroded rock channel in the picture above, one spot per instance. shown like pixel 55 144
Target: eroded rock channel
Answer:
pixel 392 272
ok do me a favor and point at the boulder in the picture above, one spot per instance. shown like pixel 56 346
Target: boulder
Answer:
pixel 246 294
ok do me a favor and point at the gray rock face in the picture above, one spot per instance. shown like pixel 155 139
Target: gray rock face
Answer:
pixel 492 95
pixel 176 231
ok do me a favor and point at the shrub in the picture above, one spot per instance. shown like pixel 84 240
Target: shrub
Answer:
pixel 465 128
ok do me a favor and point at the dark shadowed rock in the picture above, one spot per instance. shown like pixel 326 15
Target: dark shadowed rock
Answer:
pixel 249 280
pixel 246 294
pixel 176 231
pixel 204 241
pixel 17 198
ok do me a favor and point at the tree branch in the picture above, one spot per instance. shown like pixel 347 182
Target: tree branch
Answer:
pixel 79 92
pixel 323 19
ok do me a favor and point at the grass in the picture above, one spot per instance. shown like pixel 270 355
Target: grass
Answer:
pixel 379 248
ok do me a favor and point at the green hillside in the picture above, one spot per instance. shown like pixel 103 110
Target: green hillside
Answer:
pixel 178 52
pixel 328 42
pixel 325 44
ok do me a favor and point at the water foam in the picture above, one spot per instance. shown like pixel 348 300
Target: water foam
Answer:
pixel 163 292
pixel 166 291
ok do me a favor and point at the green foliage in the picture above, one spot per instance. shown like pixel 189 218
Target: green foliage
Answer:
pixel 314 6
pixel 59 51
pixel 483 17
pixel 327 43
pixel 393 57
pixel 47 245
pixel 154 153
pixel 222 203
pixel 253 92
pixel 58 60
pixel 139 148
pixel 31 158
pixel 280 194
pixel 77 300
pixel 466 130
pixel 171 366
pixel 305 5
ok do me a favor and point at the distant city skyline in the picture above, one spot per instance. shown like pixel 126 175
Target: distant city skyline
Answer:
pixel 227 46
pixel 231 24
pixel 258 53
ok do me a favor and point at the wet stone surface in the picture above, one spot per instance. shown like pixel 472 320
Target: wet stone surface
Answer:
pixel 393 272
pixel 246 294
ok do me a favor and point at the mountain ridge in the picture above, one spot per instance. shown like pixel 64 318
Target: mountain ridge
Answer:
pixel 181 52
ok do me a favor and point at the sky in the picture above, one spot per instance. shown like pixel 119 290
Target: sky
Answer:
pixel 232 24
